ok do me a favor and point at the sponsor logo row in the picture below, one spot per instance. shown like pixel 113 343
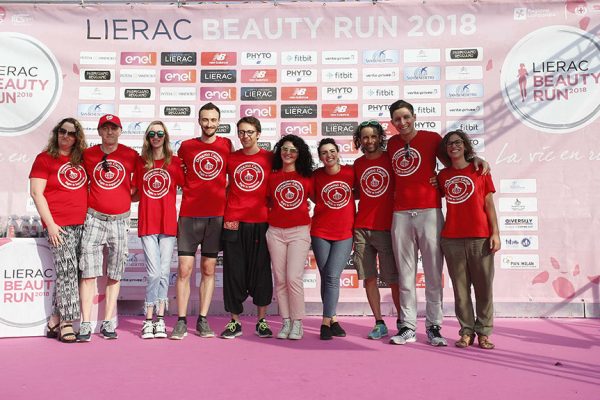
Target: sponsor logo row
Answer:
pixel 334 57
pixel 293 75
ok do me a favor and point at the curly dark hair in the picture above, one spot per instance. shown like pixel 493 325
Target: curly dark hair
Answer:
pixel 304 163
pixel 443 150
pixel 325 141
pixel 80 145
pixel 366 124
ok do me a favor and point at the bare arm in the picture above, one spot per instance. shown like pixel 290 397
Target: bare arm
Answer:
pixel 38 186
pixel 490 210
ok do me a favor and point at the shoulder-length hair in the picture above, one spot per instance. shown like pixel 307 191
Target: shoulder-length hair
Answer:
pixel 443 150
pixel 304 162
pixel 80 145
pixel 147 154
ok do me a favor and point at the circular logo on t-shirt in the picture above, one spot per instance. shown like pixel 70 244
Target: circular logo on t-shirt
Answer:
pixel 248 176
pixel 110 178
pixel 374 181
pixel 289 194
pixel 208 164
pixel 458 189
pixel 71 177
pixel 336 194
pixel 406 162
pixel 157 182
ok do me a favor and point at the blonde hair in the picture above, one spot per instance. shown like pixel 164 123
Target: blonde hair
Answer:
pixel 80 145
pixel 147 154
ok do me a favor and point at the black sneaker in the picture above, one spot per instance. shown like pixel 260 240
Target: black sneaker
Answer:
pixel 326 333
pixel 108 330
pixel 337 330
pixel 262 329
pixel 232 330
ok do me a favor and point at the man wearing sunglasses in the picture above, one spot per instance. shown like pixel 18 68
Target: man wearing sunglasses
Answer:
pixel 246 261
pixel 417 222
pixel 204 160
pixel 109 166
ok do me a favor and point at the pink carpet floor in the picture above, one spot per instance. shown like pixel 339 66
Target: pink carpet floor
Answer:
pixel 534 359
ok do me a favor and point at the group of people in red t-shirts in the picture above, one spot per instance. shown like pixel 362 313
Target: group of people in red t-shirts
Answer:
pixel 253 204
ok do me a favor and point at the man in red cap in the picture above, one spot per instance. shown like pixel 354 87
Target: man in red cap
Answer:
pixel 109 166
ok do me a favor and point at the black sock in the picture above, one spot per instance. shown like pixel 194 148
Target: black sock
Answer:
pixel 158 317
pixel 184 319
pixel 379 322
pixel 201 317
pixel 149 319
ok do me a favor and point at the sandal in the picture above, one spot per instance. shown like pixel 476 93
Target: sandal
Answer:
pixel 52 331
pixel 484 342
pixel 67 337
pixel 465 341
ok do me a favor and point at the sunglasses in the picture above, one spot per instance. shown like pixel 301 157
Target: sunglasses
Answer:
pixel 62 131
pixel 105 164
pixel 369 123
pixel 407 152
pixel 160 134
pixel 292 150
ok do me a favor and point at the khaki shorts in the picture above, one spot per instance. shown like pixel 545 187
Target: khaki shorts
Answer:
pixel 370 245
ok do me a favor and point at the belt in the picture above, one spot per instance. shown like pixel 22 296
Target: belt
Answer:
pixel 107 217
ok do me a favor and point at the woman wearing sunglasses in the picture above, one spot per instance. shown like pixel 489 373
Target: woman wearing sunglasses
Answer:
pixel 332 241
pixel 156 180
pixel 59 190
pixel 288 236
pixel 469 247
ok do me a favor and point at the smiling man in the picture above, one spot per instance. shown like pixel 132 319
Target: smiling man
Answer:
pixel 201 215
pixel 246 261
pixel 109 166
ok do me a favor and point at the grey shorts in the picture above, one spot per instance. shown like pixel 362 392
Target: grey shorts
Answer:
pixel 192 232
pixel 370 245
pixel 99 231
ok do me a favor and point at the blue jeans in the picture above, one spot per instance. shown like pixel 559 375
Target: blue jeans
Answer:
pixel 331 256
pixel 158 250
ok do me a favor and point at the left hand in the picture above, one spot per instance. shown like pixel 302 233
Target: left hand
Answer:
pixel 481 163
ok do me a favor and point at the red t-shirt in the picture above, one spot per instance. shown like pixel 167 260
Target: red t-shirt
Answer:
pixel 334 210
pixel 66 188
pixel 248 184
pixel 374 181
pixel 110 191
pixel 157 187
pixel 465 190
pixel 413 189
pixel 289 193
pixel 205 177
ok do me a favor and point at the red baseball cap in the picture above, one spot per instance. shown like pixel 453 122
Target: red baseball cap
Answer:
pixel 109 118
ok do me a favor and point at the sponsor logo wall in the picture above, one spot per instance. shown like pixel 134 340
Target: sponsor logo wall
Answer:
pixel 529 102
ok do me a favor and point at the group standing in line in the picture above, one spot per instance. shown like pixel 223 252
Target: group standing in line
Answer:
pixel 253 204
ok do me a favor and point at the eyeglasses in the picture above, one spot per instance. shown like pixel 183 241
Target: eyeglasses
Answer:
pixel 292 150
pixel 62 131
pixel 457 143
pixel 369 123
pixel 407 151
pixel 160 134
pixel 105 164
pixel 246 133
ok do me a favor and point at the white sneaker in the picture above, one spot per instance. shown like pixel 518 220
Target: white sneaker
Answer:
pixel 297 332
pixel 147 330
pixel 160 330
pixel 285 329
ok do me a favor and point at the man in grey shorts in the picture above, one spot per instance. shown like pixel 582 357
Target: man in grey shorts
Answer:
pixel 372 239
pixel 109 166
pixel 201 215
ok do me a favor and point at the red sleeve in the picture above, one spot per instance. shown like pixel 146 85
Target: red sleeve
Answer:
pixel 40 169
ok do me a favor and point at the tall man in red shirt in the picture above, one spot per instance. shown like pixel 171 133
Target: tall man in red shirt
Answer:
pixel 374 183
pixel 246 261
pixel 109 167
pixel 417 222
pixel 201 215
